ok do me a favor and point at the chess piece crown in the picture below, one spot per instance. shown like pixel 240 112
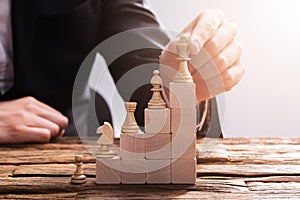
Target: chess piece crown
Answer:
pixel 183 75
pixel 156 102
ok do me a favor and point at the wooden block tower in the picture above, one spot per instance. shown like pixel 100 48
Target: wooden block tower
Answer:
pixel 183 120
pixel 157 136
pixel 132 149
pixel 166 152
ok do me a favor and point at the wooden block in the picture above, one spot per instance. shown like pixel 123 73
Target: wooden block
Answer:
pixel 158 146
pixel 182 95
pixel 183 171
pixel 132 145
pixel 158 171
pixel 157 120
pixel 108 170
pixel 183 120
pixel 184 145
pixel 133 171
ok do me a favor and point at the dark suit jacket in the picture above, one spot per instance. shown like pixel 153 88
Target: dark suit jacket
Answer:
pixel 51 38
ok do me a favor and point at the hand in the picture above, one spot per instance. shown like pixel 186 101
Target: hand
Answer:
pixel 216 64
pixel 29 120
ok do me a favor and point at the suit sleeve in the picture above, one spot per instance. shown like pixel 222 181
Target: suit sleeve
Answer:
pixel 123 15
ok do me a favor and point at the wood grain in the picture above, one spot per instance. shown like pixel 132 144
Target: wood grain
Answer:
pixel 274 187
pixel 62 184
pixel 239 168
pixel 7 170
pixel 42 156
pixel 61 196
pixel 248 170
pixel 53 170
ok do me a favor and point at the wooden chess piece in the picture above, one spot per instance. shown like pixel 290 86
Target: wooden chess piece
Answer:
pixel 130 125
pixel 78 177
pixel 183 75
pixel 156 102
pixel 105 141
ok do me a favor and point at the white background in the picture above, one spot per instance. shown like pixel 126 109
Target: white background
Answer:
pixel 267 101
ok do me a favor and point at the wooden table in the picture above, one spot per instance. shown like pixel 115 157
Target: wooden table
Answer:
pixel 235 169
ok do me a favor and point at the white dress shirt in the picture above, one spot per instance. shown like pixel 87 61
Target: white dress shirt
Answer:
pixel 6 48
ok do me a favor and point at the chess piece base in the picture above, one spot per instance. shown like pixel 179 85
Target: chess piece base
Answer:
pixel 105 154
pixel 185 78
pixel 132 129
pixel 78 179
pixel 159 105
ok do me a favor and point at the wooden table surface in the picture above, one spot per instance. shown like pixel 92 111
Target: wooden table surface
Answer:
pixel 234 169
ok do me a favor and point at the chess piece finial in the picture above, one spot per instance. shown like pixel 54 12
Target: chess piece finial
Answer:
pixel 183 47
pixel 130 125
pixel 105 141
pixel 78 177
pixel 183 74
pixel 156 102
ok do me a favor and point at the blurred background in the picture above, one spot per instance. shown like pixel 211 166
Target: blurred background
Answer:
pixel 267 101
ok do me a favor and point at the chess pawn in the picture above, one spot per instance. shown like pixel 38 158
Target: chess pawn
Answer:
pixel 78 177
pixel 105 141
pixel 156 101
pixel 130 125
pixel 183 75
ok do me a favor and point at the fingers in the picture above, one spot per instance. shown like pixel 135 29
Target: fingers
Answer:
pixel 202 89
pixel 208 31
pixel 21 134
pixel 33 120
pixel 215 55
pixel 34 134
pixel 224 36
pixel 225 59
pixel 233 75
pixel 221 83
pixel 50 115
pixel 45 111
pixel 28 120
pixel 228 79
pixel 228 56
pixel 200 30
pixel 206 26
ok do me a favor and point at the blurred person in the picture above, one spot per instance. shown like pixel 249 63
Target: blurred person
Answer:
pixel 43 43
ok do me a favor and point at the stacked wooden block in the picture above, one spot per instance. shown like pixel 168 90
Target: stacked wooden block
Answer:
pixel 166 152
pixel 158 144
pixel 183 127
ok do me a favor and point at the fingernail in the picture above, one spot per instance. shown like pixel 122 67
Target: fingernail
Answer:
pixel 194 47
pixel 187 34
pixel 62 132
pixel 171 46
pixel 198 40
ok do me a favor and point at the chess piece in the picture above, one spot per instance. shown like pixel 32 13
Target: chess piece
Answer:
pixel 183 75
pixel 78 177
pixel 156 101
pixel 105 141
pixel 130 125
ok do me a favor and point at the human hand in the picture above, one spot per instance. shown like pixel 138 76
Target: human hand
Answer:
pixel 29 120
pixel 215 64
